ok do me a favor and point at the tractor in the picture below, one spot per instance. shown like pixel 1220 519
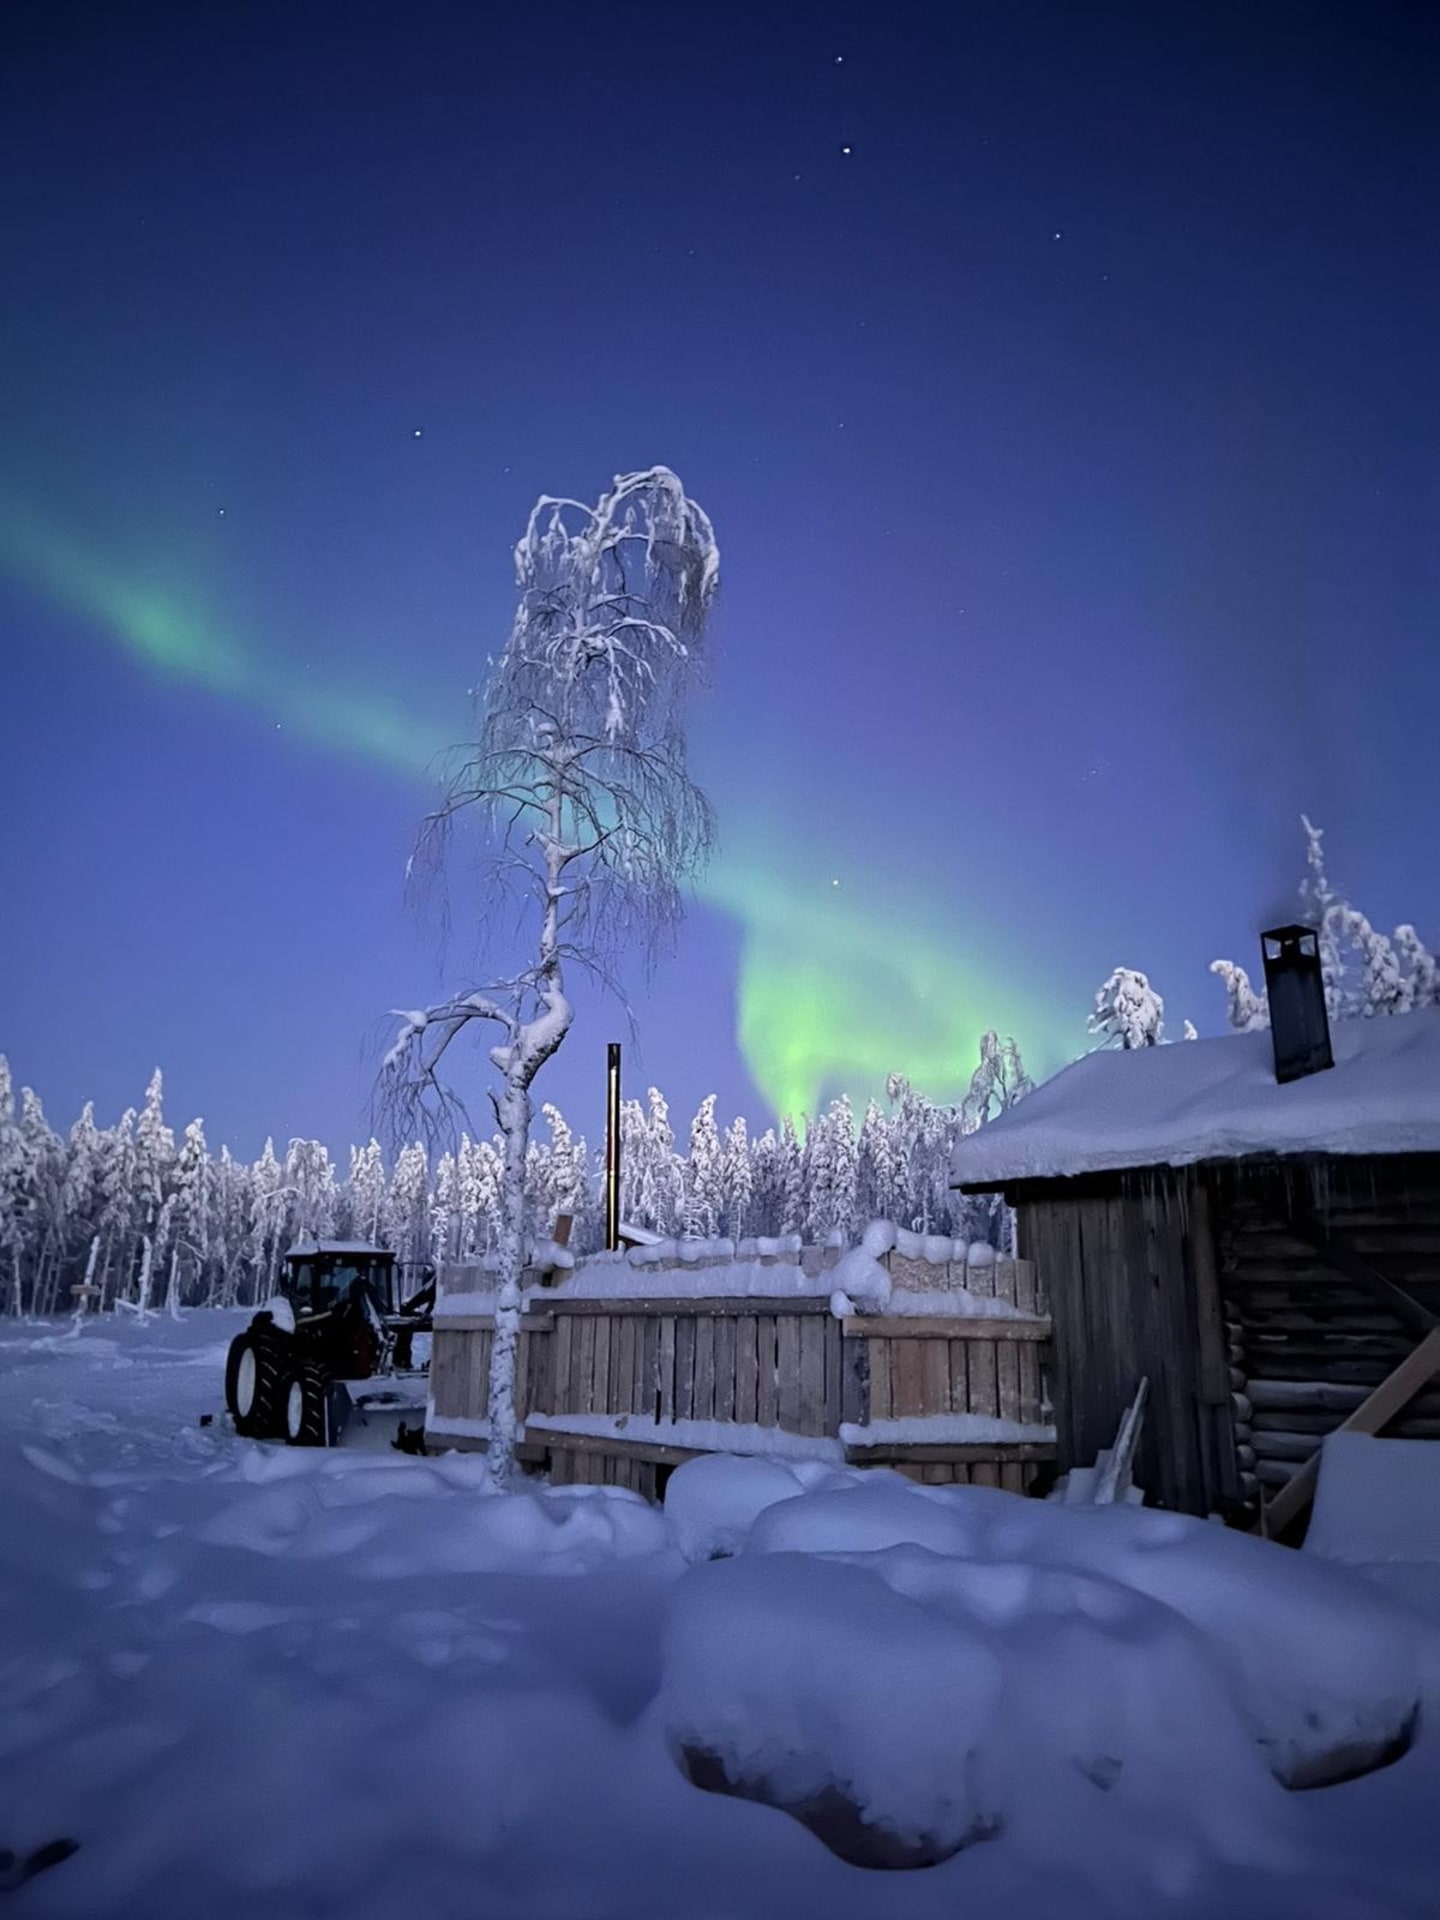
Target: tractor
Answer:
pixel 332 1352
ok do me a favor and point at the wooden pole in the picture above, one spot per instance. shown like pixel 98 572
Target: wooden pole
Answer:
pixel 612 1148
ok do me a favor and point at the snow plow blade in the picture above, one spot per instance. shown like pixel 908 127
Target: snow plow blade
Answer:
pixel 368 1414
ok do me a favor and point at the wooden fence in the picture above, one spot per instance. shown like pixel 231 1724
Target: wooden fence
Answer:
pixel 620 1390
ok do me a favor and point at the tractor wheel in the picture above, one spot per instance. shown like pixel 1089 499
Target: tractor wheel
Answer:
pixel 254 1375
pixel 306 1415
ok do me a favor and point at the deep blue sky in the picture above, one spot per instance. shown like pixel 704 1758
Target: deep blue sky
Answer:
pixel 1071 441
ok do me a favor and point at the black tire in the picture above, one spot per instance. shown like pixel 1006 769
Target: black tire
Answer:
pixel 254 1376
pixel 304 1411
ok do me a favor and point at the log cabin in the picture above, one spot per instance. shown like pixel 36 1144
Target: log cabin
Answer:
pixel 1264 1250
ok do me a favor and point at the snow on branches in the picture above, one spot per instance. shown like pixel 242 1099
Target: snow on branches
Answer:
pixel 1128 1009
pixel 1364 972
pixel 579 774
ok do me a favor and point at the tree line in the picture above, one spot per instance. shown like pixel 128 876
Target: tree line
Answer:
pixel 149 1219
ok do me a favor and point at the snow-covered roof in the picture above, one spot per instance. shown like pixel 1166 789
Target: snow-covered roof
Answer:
pixel 303 1249
pixel 1218 1100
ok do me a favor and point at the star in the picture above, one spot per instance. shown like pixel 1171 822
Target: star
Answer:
pixel 847 149
pixel 1057 235
pixel 418 432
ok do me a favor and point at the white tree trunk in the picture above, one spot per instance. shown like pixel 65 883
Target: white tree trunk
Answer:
pixel 142 1292
pixel 514 1116
pixel 172 1290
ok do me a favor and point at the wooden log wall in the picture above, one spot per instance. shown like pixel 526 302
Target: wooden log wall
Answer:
pixel 1310 1340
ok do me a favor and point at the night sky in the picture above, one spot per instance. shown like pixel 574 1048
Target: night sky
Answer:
pixel 1061 381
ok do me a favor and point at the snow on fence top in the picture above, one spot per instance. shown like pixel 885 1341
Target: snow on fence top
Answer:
pixel 1218 1100
pixel 763 1269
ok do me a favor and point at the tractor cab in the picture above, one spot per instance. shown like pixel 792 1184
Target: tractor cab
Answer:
pixel 329 1276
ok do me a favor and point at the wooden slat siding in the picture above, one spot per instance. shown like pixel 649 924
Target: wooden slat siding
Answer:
pixel 619 1380
pixel 1050 1237
pixel 746 1370
pixel 702 1306
pixel 565 1365
pixel 1197 1490
pixel 984 1473
pixel 812 1376
pixel 935 1375
pixel 600 1381
pixel 881 1383
pixel 958 1368
pixel 685 1368
pixel 767 1377
pixel 787 1348
pixel 599 1446
pixel 632 1335
pixel 983 1394
pixel 704 1400
pixel 854 1377
pixel 665 1366
pixel 442 1362
pixel 1007 1379
pixel 1210 1312
pixel 725 1350
pixel 477 1393
pixel 651 1381
pixel 834 1360
pixel 583 1351
pixel 907 1376
pixel 907 1326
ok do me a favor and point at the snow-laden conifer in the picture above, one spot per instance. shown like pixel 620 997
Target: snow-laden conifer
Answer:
pixel 1245 1009
pixel 1128 1009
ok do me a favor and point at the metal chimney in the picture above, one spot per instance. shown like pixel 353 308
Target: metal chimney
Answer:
pixel 612 1148
pixel 1299 1024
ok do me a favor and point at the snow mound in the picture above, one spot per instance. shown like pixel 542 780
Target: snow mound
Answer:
pixel 1327 1671
pixel 819 1689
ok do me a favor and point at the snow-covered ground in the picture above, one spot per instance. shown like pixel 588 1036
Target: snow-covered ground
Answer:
pixel 248 1680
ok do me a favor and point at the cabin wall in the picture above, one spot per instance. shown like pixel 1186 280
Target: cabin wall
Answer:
pixel 1310 1342
pixel 1131 1274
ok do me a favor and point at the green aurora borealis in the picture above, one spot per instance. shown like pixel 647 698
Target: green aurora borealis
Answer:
pixel 840 984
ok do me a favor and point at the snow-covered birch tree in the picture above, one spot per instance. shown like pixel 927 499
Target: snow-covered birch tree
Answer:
pixel 579 772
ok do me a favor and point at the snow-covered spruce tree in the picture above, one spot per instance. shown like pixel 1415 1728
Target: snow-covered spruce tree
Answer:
pixel 365 1192
pixel 580 772
pixel 1128 1009
pixel 831 1169
pixel 790 1172
pixel 704 1175
pixel 767 1184
pixel 1422 968
pixel 1245 1009
pixel 1363 972
pixel 1319 900
pixel 12 1203
pixel 737 1178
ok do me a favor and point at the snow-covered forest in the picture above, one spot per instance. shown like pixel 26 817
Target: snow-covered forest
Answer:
pixel 151 1219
